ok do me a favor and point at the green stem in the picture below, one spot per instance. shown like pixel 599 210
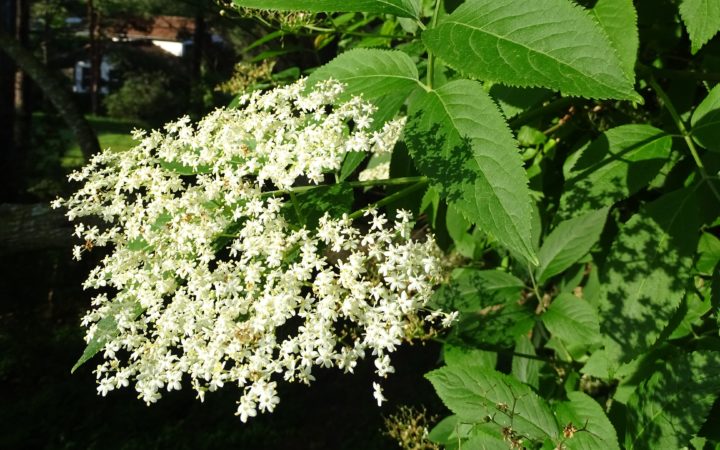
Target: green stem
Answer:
pixel 684 132
pixel 431 57
pixel 355 33
pixel 534 285
pixel 390 198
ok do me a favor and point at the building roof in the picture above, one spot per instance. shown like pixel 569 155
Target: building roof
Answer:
pixel 161 28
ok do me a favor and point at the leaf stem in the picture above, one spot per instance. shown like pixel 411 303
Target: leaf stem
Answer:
pixel 684 132
pixel 400 181
pixel 431 56
pixel 390 198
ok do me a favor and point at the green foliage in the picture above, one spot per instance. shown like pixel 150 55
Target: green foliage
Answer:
pixel 568 242
pixel 458 138
pixel 580 215
pixel 702 19
pixel 668 408
pixel 520 44
pixel 706 121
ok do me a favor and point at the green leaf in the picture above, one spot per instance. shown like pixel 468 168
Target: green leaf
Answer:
pixel 182 169
pixel 457 355
pixel 549 43
pixel 106 331
pixel 647 272
pixel 459 139
pixel 702 20
pixel 709 250
pixel 705 121
pixel 313 204
pixel 384 77
pixel 524 369
pixel 670 407
pixel 474 394
pixel 595 432
pixel 471 290
pixel 574 321
pixel 568 242
pixel 514 100
pixel 402 8
pixel 351 162
pixel 614 166
pixel 618 19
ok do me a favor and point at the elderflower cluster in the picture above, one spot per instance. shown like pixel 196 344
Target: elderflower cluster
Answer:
pixel 208 282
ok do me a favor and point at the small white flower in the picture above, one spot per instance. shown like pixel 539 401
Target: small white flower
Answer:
pixel 378 394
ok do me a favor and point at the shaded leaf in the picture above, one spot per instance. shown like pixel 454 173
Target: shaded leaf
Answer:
pixel 670 407
pixel 474 394
pixel 548 43
pixel 702 20
pixel 706 120
pixel 524 369
pixel 568 242
pixel 459 139
pixel 595 432
pixel 573 320
pixel 471 290
pixel 647 272
pixel 614 166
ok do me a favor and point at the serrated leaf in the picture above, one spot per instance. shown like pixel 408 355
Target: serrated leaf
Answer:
pixel 702 20
pixel 670 407
pixel 402 8
pixel 514 100
pixel 568 242
pixel 106 331
pixel 459 139
pixel 595 432
pixel 474 394
pixel 705 121
pixel 614 166
pixel 618 19
pixel 647 272
pixel 573 320
pixel 383 77
pixel 548 43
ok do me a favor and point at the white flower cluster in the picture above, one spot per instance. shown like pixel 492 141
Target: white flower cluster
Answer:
pixel 208 281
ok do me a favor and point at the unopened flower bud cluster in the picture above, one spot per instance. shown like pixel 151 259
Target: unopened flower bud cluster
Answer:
pixel 208 282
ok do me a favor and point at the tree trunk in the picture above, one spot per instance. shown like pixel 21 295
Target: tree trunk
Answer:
pixel 8 185
pixel 33 227
pixel 95 58
pixel 54 90
pixel 23 115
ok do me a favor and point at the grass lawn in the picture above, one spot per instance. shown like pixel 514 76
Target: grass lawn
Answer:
pixel 112 133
